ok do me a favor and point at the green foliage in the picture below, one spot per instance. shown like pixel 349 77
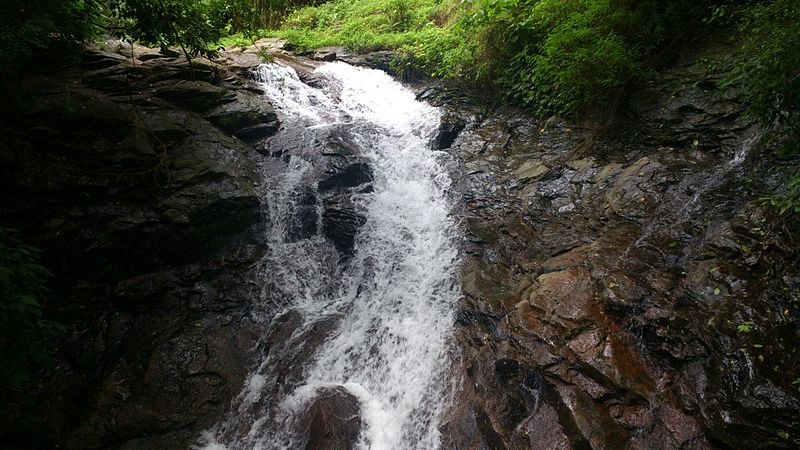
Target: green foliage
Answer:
pixel 24 334
pixel 768 75
pixel 249 15
pixel 193 25
pixel 745 327
pixel 359 24
pixel 564 56
pixel 197 26
pixel 578 60
pixel 28 25
pixel 788 202
pixel 768 78
pixel 555 56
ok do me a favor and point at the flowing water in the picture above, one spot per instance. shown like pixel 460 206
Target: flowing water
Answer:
pixel 378 324
pixel 684 196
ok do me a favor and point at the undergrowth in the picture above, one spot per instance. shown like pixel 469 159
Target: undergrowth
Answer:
pixel 24 333
pixel 767 78
pixel 362 24
pixel 552 56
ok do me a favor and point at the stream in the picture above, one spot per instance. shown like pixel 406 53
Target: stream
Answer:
pixel 375 325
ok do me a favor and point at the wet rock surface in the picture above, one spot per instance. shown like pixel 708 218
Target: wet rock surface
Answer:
pixel 146 191
pixel 625 289
pixel 332 421
pixel 138 180
pixel 340 222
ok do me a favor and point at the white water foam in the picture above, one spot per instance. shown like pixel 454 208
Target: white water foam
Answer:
pixel 396 299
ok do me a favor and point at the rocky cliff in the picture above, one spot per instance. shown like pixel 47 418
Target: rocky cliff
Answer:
pixel 625 287
pixel 136 174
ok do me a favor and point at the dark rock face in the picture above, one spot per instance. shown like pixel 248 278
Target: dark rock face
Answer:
pixel 340 222
pixel 625 295
pixel 198 95
pixel 324 55
pixel 451 126
pixel 248 118
pixel 151 222
pixel 307 216
pixel 381 60
pixel 332 421
pixel 349 176
pixel 340 172
pixel 346 173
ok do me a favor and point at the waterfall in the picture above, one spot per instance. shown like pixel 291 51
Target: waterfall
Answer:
pixel 387 313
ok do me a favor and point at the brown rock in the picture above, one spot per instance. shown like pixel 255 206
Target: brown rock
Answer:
pixel 571 258
pixel 544 431
pixel 565 296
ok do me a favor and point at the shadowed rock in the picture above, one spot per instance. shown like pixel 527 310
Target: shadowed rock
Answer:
pixel 350 176
pixel 340 223
pixel 249 118
pixel 333 420
pixel 449 129
pixel 152 228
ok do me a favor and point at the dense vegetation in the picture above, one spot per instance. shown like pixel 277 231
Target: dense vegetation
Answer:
pixel 768 78
pixel 574 57
pixel 196 26
pixel 557 56
pixel 29 25
pixel 553 56
pixel 23 341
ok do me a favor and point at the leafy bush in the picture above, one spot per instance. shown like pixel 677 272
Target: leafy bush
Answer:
pixel 787 202
pixel 555 56
pixel 27 25
pixel 193 25
pixel 561 56
pixel 248 17
pixel 768 77
pixel 359 24
pixel 579 61
pixel 24 334
pixel 769 73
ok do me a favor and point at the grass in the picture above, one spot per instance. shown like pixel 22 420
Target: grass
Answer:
pixel 359 25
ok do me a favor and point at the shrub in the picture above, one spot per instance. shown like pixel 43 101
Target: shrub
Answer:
pixel 768 77
pixel 769 73
pixel 28 25
pixel 788 202
pixel 24 334
pixel 195 26
pixel 555 56
pixel 580 62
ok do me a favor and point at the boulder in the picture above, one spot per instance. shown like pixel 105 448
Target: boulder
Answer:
pixel 531 171
pixel 333 420
pixel 199 96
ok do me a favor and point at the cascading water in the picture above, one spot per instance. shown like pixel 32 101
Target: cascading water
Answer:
pixel 690 189
pixel 389 310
